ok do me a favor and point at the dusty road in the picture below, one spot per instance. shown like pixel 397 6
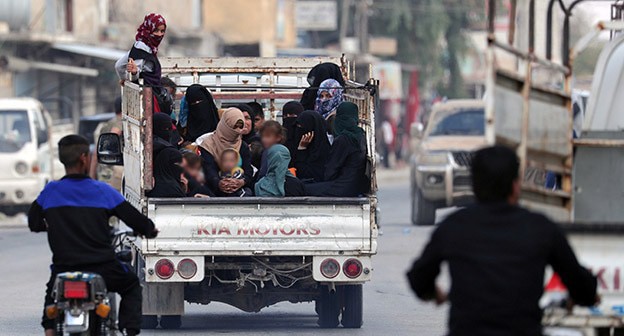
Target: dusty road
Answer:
pixel 390 308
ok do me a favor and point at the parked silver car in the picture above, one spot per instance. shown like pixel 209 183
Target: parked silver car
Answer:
pixel 442 155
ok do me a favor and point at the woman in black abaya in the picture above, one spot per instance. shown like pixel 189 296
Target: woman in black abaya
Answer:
pixel 203 115
pixel 168 174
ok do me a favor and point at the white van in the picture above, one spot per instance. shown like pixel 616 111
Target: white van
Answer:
pixel 26 160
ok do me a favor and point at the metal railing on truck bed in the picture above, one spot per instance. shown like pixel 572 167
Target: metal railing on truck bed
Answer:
pixel 273 81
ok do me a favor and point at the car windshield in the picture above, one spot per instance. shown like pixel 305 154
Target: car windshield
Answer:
pixel 14 130
pixel 465 122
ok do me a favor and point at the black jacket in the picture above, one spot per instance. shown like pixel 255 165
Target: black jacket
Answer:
pixel 496 255
pixel 75 212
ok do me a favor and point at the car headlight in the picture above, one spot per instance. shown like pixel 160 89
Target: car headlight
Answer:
pixel 434 158
pixel 21 168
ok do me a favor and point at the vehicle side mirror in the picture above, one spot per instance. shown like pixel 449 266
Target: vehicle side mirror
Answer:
pixel 418 130
pixel 109 149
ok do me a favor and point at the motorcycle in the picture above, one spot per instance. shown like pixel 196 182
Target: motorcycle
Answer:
pixel 82 306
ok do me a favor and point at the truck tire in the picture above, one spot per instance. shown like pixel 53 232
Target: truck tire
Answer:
pixel 352 315
pixel 171 321
pixel 328 308
pixel 423 211
pixel 149 322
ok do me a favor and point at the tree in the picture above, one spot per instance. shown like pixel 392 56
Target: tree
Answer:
pixel 431 35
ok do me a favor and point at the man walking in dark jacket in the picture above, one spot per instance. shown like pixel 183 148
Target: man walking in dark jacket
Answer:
pixel 75 213
pixel 497 252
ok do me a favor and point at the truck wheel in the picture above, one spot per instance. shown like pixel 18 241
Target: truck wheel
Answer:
pixel 149 322
pixel 171 321
pixel 328 308
pixel 423 211
pixel 352 315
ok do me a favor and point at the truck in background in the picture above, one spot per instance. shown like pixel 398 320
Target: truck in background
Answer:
pixel 247 252
pixel 530 108
pixel 442 155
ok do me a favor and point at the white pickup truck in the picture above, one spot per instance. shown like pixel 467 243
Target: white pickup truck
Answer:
pixel 248 252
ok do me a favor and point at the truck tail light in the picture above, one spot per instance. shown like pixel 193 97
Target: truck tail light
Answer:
pixel 164 268
pixel 75 290
pixel 555 284
pixel 330 268
pixel 187 268
pixel 352 268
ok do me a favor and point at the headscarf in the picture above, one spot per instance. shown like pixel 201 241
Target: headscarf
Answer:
pixel 146 30
pixel 327 106
pixel 203 117
pixel 310 121
pixel 257 108
pixel 225 136
pixel 272 184
pixel 290 124
pixel 253 134
pixel 167 171
pixel 346 122
pixel 316 76
pixel 162 126
pixel 161 131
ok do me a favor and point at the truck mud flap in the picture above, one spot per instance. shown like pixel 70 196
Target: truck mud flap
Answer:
pixel 163 299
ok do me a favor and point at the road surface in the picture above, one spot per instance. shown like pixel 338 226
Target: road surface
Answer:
pixel 390 308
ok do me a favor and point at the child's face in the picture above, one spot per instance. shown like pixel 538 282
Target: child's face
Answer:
pixel 269 139
pixel 229 161
pixel 193 171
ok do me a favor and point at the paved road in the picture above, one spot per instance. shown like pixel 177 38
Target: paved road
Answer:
pixel 390 308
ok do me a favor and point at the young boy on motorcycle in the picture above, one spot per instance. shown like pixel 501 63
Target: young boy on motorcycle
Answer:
pixel 75 212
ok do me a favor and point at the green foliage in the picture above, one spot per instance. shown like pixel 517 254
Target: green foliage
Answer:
pixel 430 34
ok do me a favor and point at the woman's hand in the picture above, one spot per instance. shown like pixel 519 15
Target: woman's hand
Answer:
pixel 131 67
pixel 224 185
pixel 306 139
pixel 237 184
pixel 230 185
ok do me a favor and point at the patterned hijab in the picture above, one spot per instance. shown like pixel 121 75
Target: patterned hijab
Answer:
pixel 146 30
pixel 326 106
pixel 225 137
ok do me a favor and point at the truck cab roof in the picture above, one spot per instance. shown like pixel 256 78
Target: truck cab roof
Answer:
pixel 19 103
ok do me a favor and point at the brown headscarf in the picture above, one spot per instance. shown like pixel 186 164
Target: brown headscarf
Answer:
pixel 225 136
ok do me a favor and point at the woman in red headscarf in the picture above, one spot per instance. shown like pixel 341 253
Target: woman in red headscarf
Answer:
pixel 142 61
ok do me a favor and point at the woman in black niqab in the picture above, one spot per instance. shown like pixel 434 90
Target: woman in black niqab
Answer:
pixel 167 174
pixel 310 162
pixel 290 112
pixel 203 114
pixel 316 76
pixel 162 129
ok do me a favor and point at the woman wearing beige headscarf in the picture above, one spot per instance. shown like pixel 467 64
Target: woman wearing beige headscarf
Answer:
pixel 227 136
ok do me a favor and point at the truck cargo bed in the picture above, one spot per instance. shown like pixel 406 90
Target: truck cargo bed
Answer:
pixel 262 226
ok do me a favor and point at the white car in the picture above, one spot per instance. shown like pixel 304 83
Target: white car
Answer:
pixel 25 153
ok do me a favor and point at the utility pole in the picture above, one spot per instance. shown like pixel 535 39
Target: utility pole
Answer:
pixel 362 30
pixel 344 21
